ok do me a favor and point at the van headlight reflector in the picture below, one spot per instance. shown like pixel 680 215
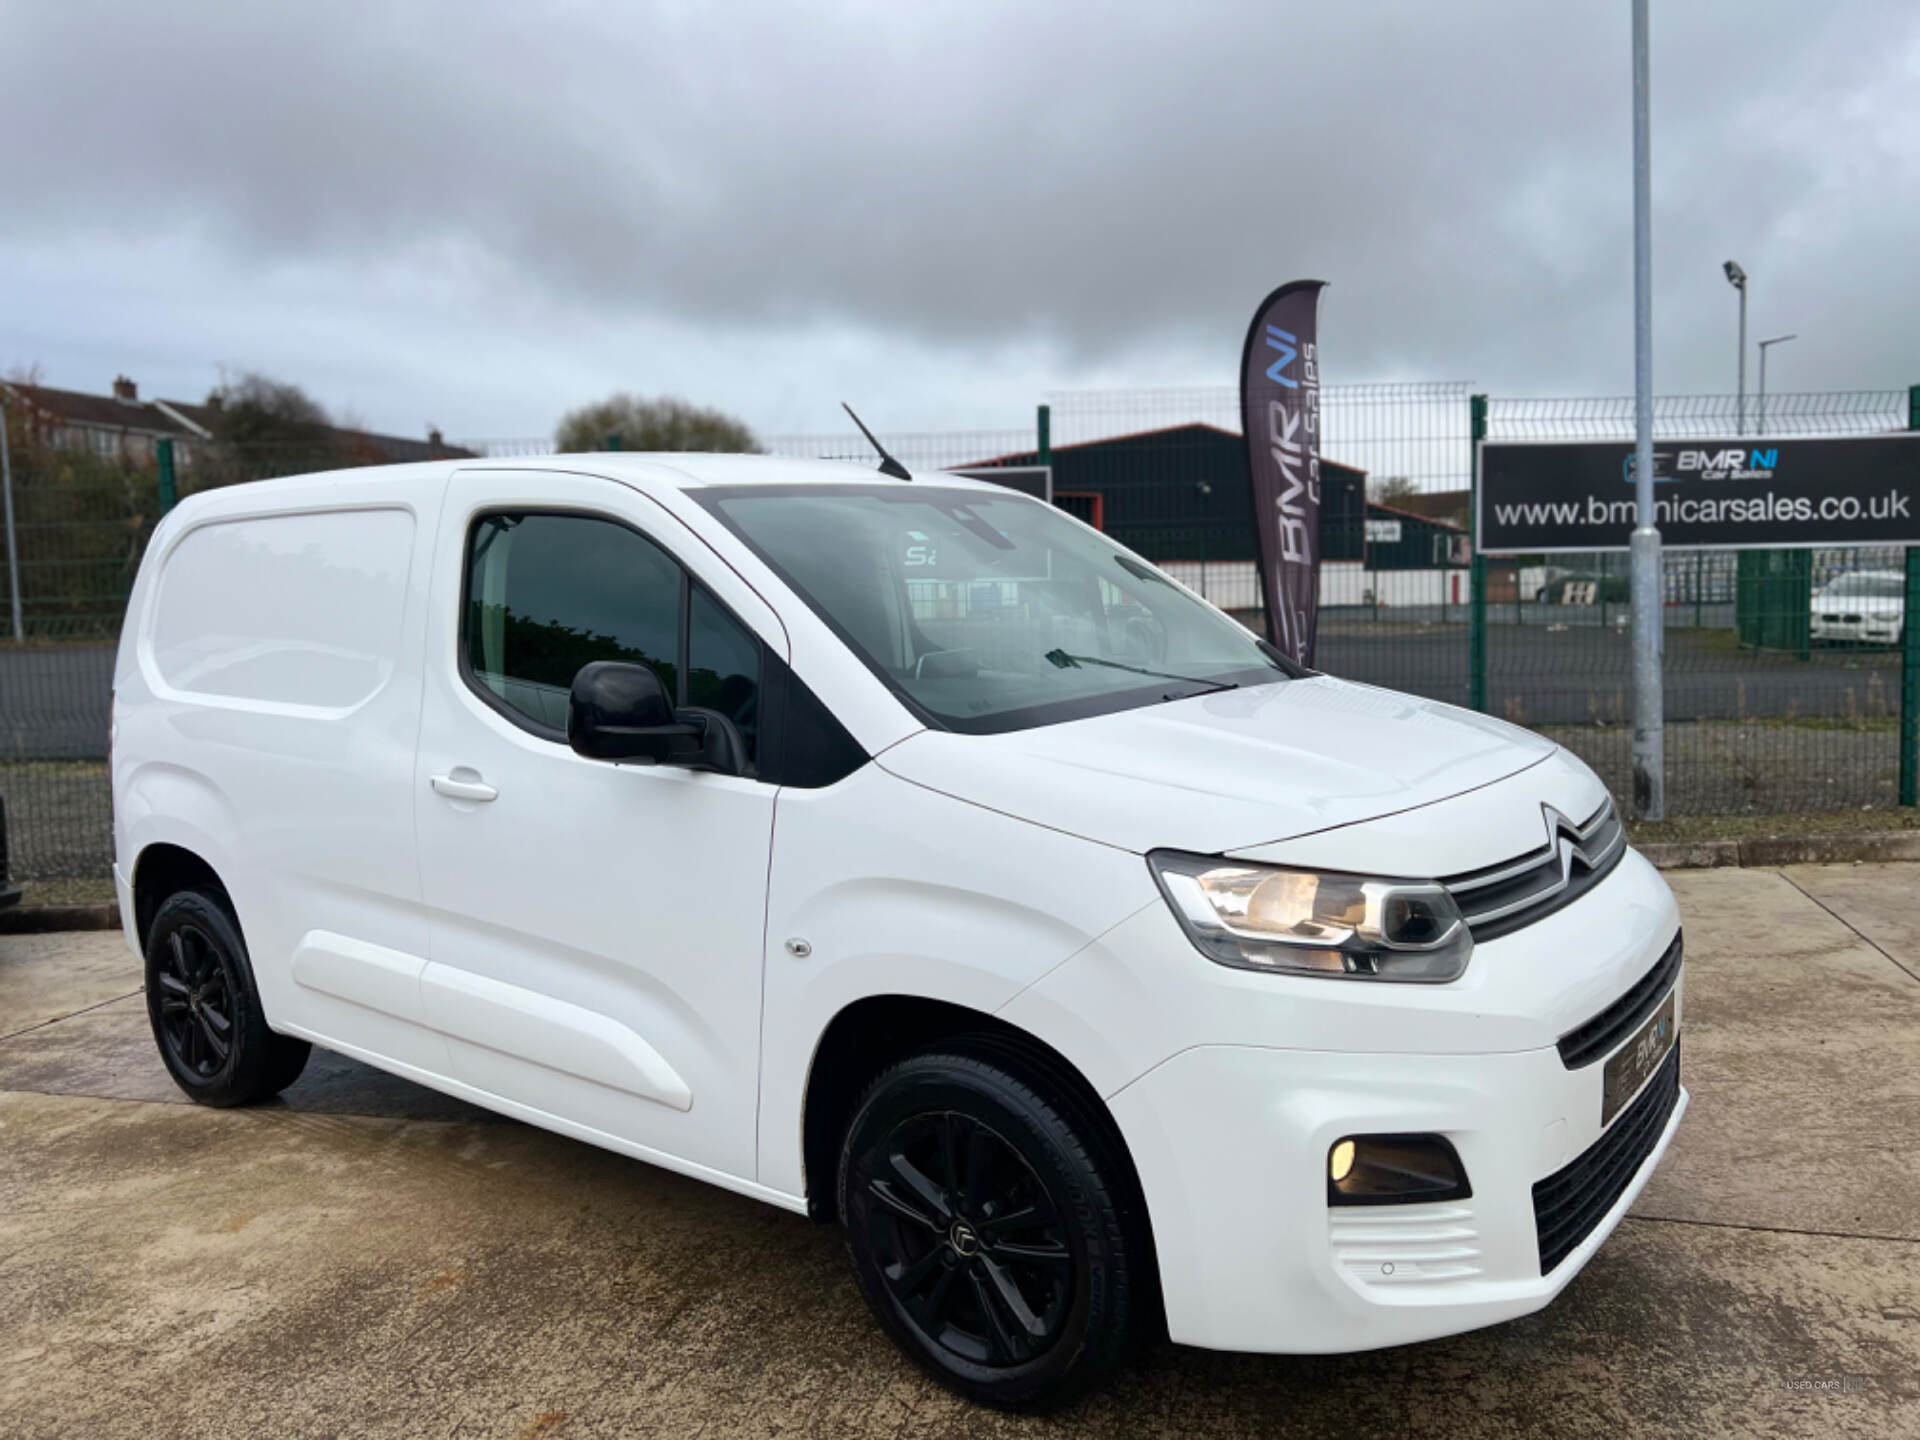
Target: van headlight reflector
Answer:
pixel 1310 922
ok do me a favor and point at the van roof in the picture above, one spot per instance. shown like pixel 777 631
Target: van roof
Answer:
pixel 681 471
pixel 692 470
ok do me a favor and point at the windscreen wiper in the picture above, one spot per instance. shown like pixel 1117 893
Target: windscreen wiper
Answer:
pixel 1068 661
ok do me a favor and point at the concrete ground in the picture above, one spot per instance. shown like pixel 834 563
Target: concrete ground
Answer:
pixel 370 1258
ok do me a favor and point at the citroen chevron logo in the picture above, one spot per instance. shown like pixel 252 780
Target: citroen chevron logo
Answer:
pixel 1541 878
pixel 1565 838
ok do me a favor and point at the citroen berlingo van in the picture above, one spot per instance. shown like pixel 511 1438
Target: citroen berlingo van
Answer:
pixel 903 853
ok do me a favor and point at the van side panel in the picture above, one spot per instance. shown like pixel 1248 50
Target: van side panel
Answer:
pixel 267 702
pixel 283 613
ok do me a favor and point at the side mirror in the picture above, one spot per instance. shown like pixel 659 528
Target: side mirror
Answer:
pixel 620 711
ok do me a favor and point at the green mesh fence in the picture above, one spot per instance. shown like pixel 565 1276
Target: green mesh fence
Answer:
pixel 1783 668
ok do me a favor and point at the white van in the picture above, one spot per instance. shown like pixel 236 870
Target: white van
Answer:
pixel 904 853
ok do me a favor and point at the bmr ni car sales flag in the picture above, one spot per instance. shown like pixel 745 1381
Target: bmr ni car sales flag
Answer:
pixel 1280 416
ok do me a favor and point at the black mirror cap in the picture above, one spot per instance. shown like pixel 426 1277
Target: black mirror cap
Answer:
pixel 619 711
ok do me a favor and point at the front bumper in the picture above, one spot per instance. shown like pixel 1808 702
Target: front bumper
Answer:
pixel 1250 1079
pixel 1870 631
pixel 1253 1258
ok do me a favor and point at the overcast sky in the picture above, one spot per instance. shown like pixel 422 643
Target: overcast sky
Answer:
pixel 476 215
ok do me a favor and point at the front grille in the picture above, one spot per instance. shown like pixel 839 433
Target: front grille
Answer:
pixel 1502 898
pixel 1572 1200
pixel 1587 1043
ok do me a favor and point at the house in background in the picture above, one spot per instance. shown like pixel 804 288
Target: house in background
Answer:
pixel 125 428
pixel 355 447
pixel 1181 497
pixel 120 426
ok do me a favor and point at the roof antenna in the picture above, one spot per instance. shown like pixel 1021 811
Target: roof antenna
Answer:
pixel 888 465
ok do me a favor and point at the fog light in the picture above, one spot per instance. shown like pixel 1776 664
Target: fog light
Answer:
pixel 1395 1170
pixel 1340 1162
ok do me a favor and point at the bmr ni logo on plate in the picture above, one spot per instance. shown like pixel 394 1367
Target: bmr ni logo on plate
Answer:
pixel 1726 464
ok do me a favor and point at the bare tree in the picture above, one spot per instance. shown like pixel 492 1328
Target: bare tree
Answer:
pixel 632 422
pixel 1391 489
pixel 257 410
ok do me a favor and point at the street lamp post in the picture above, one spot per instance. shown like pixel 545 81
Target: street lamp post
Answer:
pixel 1760 420
pixel 1737 278
pixel 1649 638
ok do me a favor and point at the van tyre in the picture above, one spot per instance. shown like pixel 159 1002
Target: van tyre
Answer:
pixel 205 1009
pixel 989 1226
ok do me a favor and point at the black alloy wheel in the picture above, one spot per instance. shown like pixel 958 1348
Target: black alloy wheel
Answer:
pixel 971 1245
pixel 195 1003
pixel 985 1216
pixel 205 1010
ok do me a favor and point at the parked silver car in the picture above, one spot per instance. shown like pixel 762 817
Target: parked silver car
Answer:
pixel 1864 606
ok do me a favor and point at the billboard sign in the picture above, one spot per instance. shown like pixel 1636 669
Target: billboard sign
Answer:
pixel 1714 494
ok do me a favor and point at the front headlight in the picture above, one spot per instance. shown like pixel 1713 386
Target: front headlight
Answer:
pixel 1307 922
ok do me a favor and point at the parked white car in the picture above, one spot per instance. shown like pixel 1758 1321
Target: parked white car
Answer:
pixel 1864 606
pixel 906 854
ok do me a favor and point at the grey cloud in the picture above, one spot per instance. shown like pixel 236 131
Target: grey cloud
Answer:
pixel 1117 182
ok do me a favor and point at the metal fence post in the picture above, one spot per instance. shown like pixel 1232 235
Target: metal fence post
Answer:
pixel 614 441
pixel 1477 576
pixel 13 549
pixel 1910 654
pixel 1802 604
pixel 163 463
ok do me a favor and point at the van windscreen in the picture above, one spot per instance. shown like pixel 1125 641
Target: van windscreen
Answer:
pixel 990 612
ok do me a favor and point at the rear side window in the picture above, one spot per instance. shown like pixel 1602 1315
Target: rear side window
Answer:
pixel 549 593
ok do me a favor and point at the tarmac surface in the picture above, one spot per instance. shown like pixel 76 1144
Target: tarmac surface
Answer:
pixel 1748 732
pixel 1561 666
pixel 370 1258
pixel 1565 668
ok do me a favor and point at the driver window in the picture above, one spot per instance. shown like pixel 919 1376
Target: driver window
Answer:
pixel 547 593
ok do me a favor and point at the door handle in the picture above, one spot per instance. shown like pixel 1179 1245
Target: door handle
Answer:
pixel 456 788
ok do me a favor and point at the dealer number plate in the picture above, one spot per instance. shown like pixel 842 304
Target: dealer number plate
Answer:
pixel 1634 1061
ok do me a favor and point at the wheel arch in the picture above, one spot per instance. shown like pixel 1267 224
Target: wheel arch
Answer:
pixel 871 1033
pixel 164 868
